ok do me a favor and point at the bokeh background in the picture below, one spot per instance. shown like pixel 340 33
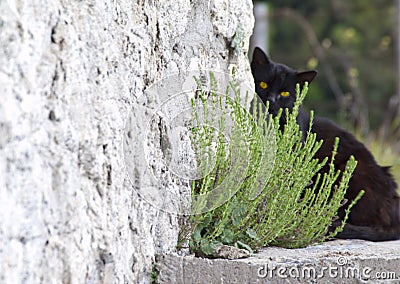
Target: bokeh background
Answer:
pixel 354 46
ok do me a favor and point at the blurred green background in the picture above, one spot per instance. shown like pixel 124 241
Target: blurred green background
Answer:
pixel 353 45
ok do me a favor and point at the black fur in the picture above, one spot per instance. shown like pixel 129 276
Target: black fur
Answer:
pixel 376 216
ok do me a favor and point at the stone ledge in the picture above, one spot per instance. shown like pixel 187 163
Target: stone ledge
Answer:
pixel 339 261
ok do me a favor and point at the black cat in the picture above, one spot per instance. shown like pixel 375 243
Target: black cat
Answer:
pixel 376 216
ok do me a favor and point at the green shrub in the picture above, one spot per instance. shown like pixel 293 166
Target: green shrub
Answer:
pixel 256 188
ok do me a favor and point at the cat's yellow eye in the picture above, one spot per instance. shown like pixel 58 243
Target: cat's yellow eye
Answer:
pixel 285 94
pixel 263 85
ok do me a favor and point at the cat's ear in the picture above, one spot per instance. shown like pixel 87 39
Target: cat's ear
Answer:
pixel 260 59
pixel 306 76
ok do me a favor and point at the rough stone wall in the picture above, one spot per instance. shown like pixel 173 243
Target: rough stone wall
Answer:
pixel 70 73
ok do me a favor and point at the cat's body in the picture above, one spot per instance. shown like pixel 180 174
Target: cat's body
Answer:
pixel 376 216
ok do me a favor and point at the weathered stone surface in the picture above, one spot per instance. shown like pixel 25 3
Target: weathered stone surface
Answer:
pixel 70 74
pixel 341 261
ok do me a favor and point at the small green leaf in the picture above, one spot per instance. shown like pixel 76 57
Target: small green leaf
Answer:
pixel 197 234
pixel 252 234
pixel 208 247
pixel 227 236
pixel 241 245
pixel 237 214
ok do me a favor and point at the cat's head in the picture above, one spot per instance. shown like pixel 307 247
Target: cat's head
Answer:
pixel 275 82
